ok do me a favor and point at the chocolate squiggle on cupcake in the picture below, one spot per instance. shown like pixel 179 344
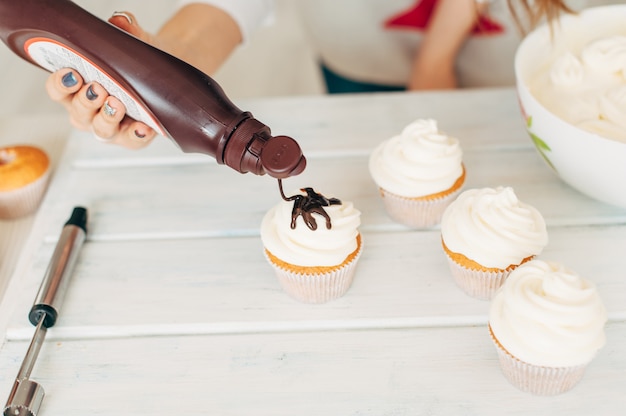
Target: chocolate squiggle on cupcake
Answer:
pixel 307 205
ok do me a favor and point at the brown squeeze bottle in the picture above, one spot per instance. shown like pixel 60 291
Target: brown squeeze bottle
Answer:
pixel 171 96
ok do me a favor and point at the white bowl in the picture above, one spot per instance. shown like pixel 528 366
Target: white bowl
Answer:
pixel 594 165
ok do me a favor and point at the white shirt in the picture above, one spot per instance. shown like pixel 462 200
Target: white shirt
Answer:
pixel 249 14
pixel 354 39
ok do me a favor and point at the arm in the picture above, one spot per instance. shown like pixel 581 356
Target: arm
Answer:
pixel 200 34
pixel 450 25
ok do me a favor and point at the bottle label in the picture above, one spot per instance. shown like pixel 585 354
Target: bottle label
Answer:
pixel 52 55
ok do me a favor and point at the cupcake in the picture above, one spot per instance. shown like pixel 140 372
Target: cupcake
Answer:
pixel 547 324
pixel 313 248
pixel 486 233
pixel 24 174
pixel 418 173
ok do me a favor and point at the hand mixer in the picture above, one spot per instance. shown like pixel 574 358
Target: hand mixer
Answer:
pixel 27 395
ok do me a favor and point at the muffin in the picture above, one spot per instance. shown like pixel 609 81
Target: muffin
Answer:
pixel 547 324
pixel 24 174
pixel 313 265
pixel 485 234
pixel 418 173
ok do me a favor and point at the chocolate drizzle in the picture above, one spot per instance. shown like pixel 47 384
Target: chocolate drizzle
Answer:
pixel 307 205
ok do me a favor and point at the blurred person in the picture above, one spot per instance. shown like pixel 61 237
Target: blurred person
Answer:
pixel 363 46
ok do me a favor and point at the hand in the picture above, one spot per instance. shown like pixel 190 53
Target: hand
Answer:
pixel 91 108
pixel 200 34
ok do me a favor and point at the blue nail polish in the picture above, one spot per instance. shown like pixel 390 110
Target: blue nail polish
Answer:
pixel 69 80
pixel 91 94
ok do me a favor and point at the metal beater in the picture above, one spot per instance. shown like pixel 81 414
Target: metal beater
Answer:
pixel 27 395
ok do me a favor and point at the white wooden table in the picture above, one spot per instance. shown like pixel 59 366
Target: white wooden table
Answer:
pixel 172 308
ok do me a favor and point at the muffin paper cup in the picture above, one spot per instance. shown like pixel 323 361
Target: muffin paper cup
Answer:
pixel 538 380
pixel 478 284
pixel 23 201
pixel 317 288
pixel 416 212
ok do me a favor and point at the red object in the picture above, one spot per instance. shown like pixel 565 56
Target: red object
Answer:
pixel 419 15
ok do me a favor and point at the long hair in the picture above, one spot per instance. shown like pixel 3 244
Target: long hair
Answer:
pixel 535 10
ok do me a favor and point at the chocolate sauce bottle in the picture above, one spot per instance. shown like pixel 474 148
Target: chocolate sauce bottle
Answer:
pixel 171 96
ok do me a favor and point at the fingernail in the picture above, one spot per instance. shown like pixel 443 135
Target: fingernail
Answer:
pixel 108 110
pixel 141 137
pixel 123 14
pixel 69 80
pixel 91 94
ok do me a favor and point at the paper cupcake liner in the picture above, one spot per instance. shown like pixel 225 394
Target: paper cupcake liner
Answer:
pixel 478 284
pixel 538 380
pixel 417 212
pixel 476 281
pixel 23 201
pixel 320 287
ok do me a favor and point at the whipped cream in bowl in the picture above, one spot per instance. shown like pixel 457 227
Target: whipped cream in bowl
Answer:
pixel 587 84
pixel 571 84
pixel 606 55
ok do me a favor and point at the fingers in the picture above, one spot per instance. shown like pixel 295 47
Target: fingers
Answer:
pixel 82 101
pixel 127 22
pixel 134 134
pixel 85 104
pixel 62 84
pixel 105 123
pixel 91 108
pixel 110 124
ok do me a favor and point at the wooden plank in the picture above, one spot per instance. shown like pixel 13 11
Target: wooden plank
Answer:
pixel 225 286
pixel 442 371
pixel 209 200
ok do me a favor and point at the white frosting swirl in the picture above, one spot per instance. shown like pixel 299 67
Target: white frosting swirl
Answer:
pixel 585 86
pixel 304 247
pixel 582 106
pixel 420 161
pixel 493 228
pixel 567 71
pixel 606 55
pixel 549 316
pixel 613 106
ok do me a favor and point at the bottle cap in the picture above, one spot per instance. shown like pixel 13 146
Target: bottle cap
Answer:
pixel 282 157
pixel 251 148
